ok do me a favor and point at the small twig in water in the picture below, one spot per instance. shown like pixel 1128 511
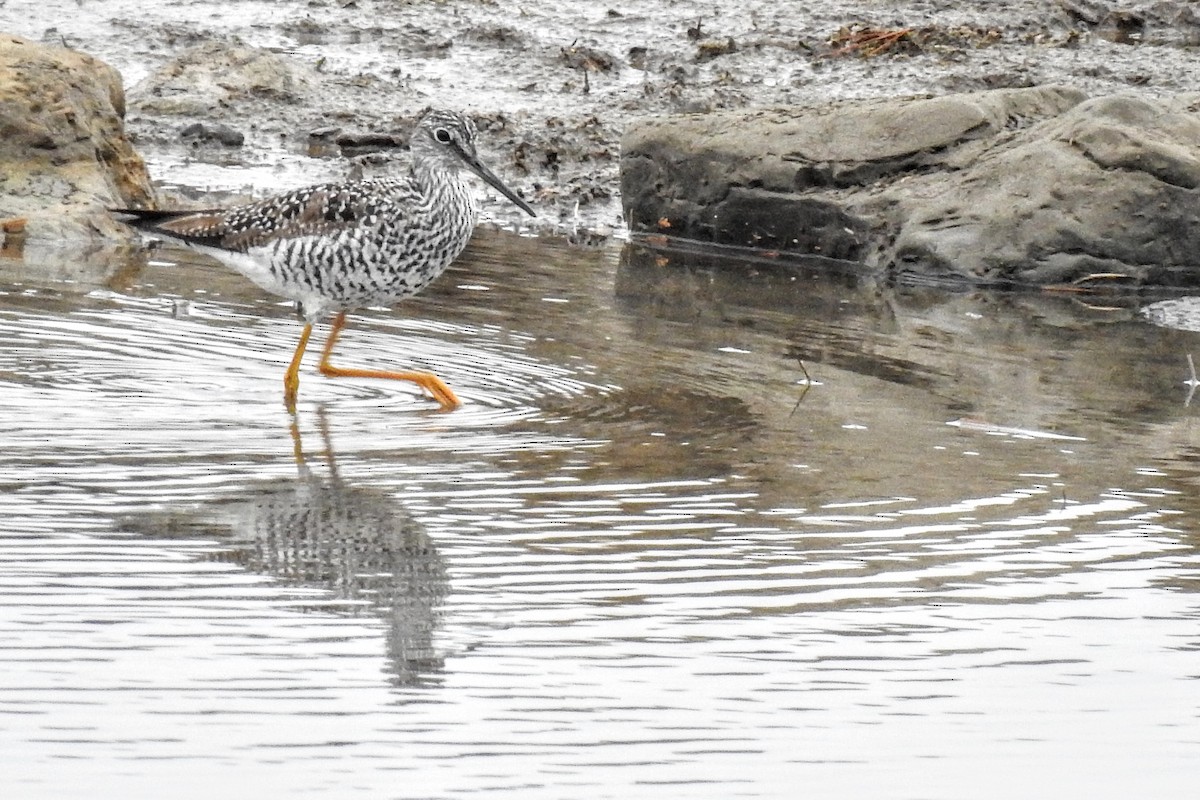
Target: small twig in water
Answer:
pixel 1192 383
pixel 808 384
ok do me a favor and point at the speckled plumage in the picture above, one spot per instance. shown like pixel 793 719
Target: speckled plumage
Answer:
pixel 339 246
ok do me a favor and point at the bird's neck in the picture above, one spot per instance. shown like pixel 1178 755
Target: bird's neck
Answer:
pixel 446 186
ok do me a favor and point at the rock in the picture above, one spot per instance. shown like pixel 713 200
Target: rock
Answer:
pixel 64 157
pixel 213 132
pixel 216 75
pixel 357 143
pixel 1109 187
pixel 325 132
pixel 1016 186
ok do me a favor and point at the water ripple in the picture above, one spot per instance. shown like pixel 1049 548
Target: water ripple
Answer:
pixel 625 566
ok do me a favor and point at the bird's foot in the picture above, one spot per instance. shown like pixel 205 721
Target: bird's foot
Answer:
pixel 431 383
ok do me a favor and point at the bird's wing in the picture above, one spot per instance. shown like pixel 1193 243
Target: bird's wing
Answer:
pixel 323 209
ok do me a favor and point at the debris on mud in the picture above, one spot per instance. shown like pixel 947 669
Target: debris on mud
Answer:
pixel 867 41
pixel 566 79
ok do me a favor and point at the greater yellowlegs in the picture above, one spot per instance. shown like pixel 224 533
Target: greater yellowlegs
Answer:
pixel 335 247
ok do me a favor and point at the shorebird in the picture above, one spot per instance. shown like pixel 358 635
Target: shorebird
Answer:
pixel 336 247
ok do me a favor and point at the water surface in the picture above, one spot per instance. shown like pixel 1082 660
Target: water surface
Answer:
pixel 649 555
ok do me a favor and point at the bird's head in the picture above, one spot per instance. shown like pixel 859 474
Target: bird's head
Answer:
pixel 447 138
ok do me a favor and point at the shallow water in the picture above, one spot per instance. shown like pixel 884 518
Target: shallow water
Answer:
pixel 649 555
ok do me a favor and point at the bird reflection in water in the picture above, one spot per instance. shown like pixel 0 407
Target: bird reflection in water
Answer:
pixel 357 543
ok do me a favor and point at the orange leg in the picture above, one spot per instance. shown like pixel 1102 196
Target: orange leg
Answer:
pixel 426 380
pixel 291 378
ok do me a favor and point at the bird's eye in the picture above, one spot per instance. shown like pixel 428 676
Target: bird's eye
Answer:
pixel 442 135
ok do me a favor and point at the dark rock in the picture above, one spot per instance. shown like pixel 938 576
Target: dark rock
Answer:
pixel 213 132
pixel 1024 186
pixel 324 133
pixel 360 142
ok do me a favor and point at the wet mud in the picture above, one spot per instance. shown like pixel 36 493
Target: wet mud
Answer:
pixel 554 85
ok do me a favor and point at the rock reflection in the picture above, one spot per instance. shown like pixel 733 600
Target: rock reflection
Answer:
pixel 714 291
pixel 1035 357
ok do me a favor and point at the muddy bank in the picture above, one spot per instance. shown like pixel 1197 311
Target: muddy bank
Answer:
pixel 555 85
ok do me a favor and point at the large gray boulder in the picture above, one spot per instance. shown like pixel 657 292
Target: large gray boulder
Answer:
pixel 64 157
pixel 1020 186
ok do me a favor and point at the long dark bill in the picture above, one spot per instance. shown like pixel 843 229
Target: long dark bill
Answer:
pixel 486 174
